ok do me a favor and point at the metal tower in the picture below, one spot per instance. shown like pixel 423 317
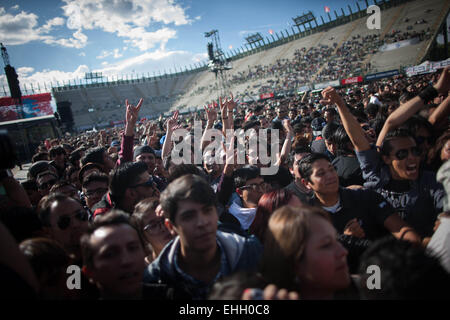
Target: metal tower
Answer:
pixel 218 63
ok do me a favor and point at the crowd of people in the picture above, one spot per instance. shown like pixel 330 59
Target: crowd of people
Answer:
pixel 346 60
pixel 362 180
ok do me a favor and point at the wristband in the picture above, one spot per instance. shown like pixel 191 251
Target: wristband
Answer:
pixel 428 94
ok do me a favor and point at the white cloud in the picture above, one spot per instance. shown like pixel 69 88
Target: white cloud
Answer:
pixel 78 41
pixel 46 76
pixel 158 60
pixel 23 28
pixel 58 21
pixel 127 19
pixel 18 29
pixel 23 71
pixel 105 53
pixel 16 7
pixel 82 54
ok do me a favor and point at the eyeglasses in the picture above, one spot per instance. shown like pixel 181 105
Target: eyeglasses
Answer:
pixel 148 183
pixel 64 221
pixel 365 128
pixel 403 153
pixel 154 226
pixel 422 139
pixel 47 184
pixel 92 193
pixel 256 186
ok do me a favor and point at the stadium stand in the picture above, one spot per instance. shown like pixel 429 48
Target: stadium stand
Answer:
pixel 333 52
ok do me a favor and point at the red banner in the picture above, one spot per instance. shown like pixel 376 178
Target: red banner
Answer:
pixel 266 95
pixel 35 105
pixel 352 80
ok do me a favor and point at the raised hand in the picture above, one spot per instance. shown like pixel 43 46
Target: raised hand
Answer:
pixel 443 84
pixel 353 228
pixel 287 126
pixel 229 103
pixel 172 122
pixel 133 111
pixel 211 113
pixel 330 96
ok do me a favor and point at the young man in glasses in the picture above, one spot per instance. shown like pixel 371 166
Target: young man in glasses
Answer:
pixel 129 184
pixel 44 181
pixel 250 186
pixel 65 220
pixel 94 187
pixel 58 157
pixel 200 255
pixel 394 171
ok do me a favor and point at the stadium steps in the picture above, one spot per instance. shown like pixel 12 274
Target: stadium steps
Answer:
pixel 426 45
pixel 174 84
pixel 386 30
pixel 158 93
pixel 85 97
pixel 114 94
pixel 139 92
pixel 349 32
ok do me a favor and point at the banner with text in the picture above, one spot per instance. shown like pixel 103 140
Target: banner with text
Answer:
pixel 266 95
pixel 380 75
pixel 427 67
pixel 351 80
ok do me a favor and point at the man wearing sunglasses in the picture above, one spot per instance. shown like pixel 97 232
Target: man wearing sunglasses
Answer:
pixel 65 220
pixel 129 184
pixel 394 170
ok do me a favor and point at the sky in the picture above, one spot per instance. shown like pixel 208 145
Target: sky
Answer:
pixel 51 40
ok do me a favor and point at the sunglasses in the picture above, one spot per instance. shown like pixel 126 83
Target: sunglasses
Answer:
pixel 154 226
pixel 421 140
pixel 403 153
pixel 47 184
pixel 64 221
pixel 148 183
pixel 255 186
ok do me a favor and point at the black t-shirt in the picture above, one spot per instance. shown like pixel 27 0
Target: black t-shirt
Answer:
pixel 348 171
pixel 369 207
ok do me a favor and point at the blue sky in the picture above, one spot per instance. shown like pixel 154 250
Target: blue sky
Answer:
pixel 51 40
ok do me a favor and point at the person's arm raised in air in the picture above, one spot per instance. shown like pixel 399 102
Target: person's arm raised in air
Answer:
pixel 439 116
pixel 126 148
pixel 211 116
pixel 286 149
pixel 408 109
pixel 350 123
pixel 171 126
pixel 226 109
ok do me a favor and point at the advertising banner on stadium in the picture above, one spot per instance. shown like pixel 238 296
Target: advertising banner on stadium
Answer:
pixel 266 96
pixel 427 67
pixel 380 75
pixel 334 83
pixel 399 44
pixel 34 105
pixel 352 80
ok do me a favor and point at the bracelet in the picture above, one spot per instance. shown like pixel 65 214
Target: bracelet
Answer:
pixel 427 94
